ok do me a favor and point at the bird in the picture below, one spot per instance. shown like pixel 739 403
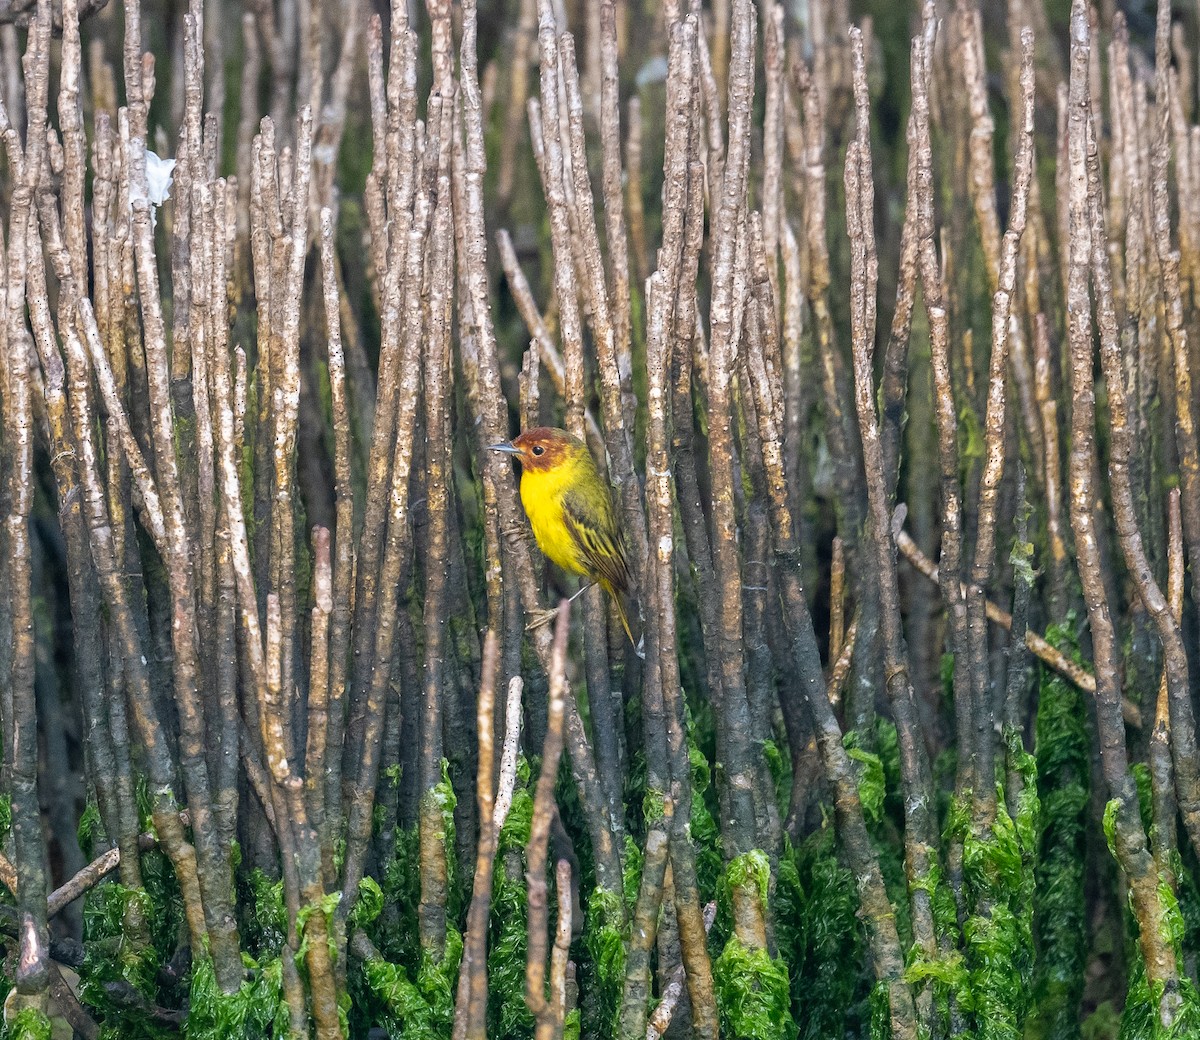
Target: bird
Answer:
pixel 571 512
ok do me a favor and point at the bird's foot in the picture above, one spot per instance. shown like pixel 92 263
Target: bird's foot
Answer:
pixel 540 618
pixel 515 535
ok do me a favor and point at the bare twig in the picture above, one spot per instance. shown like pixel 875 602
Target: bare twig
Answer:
pixel 544 1012
pixel 1129 836
pixel 921 859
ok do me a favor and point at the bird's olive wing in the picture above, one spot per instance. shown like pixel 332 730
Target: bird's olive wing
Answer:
pixel 601 546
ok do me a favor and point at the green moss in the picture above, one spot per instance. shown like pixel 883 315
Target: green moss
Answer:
pixel 509 939
pixel 604 938
pixel 1111 808
pixel 408 991
pixel 751 868
pixel 115 966
pixel 1102 1024
pixel 394 932
pixel 437 979
pixel 753 995
pixel 947 972
pixel 404 1010
pixel 887 744
pixel 871 785
pixel 653 806
pixel 635 779
pixel 997 931
pixel 508 1016
pixel 998 968
pixel 28 1024
pixel 1186 876
pixel 369 904
pixel 1028 821
pixel 326 905
pixel 945 913
pixel 631 873
pixel 789 909
pixel 265 926
pixel 257 1010
pixel 881 1012
pixel 1145 793
pixel 90 825
pixel 576 822
pixel 1171 920
pixel 780 767
pixel 1063 764
pixel 992 861
pixel 820 937
pixel 443 799
pixel 1140 1020
pixel 705 834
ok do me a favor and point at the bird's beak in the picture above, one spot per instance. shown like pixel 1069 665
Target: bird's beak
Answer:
pixel 506 447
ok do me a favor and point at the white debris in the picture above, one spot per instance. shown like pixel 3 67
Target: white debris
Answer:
pixel 654 71
pixel 159 173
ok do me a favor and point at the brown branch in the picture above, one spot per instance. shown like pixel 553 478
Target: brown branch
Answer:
pixel 920 848
pixel 438 390
pixel 396 549
pixel 875 907
pixel 548 353
pixel 470 1013
pixel 1044 651
pixel 1130 844
pixel 23 13
pixel 479 353
pixel 1052 468
pixel 213 867
pixel 573 232
pixel 933 292
pixel 635 999
pixel 539 835
pixel 344 558
pixel 1123 449
pixel 397 181
pixel 660 1020
pixel 1169 261
pixel 558 955
pixel 633 190
pixel 894 387
pixel 17 647
pixel 839 670
pixel 1162 832
pixel 733 723
pixel 836 391
pixel 994 448
pixel 619 302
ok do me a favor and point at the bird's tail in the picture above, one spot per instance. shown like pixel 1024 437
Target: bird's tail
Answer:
pixel 623 605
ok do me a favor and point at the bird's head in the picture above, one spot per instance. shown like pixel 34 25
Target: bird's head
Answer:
pixel 541 448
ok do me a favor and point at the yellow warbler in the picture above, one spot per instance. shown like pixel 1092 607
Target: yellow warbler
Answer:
pixel 571 511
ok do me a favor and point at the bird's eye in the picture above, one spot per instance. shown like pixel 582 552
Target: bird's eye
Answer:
pixel 538 449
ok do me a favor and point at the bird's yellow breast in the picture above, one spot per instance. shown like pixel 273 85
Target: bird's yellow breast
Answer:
pixel 541 495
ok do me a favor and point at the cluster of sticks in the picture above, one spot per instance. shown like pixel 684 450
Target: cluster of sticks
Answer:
pixel 746 372
pixel 174 453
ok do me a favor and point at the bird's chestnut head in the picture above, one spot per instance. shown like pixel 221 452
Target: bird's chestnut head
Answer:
pixel 541 448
